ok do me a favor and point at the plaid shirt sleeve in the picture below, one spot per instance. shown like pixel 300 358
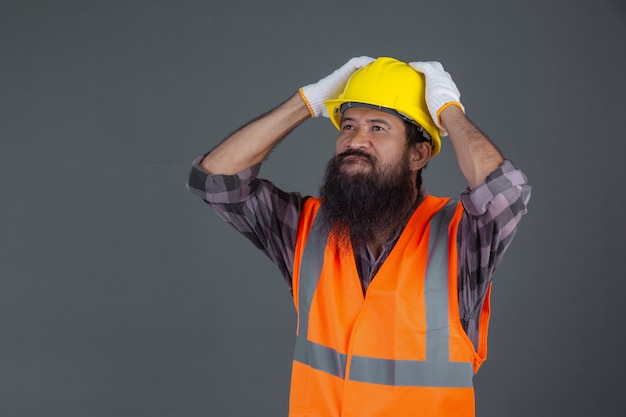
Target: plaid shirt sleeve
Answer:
pixel 264 214
pixel 493 212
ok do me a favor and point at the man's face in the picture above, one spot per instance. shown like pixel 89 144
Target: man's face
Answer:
pixel 369 185
pixel 370 140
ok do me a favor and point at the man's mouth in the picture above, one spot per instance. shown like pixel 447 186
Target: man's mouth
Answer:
pixel 355 157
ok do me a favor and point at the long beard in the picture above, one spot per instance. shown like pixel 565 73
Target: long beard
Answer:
pixel 361 206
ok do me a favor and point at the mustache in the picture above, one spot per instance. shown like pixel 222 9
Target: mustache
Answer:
pixel 354 152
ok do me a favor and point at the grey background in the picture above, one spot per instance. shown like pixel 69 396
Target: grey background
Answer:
pixel 123 295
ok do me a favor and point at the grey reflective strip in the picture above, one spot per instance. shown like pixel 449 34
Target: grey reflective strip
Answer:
pixel 320 357
pixel 411 373
pixel 436 287
pixel 310 269
pixel 436 370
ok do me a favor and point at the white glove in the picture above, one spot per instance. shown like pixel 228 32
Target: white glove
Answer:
pixel 441 91
pixel 331 86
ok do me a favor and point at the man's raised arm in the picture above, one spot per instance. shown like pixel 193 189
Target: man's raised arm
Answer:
pixel 253 142
pixel 476 155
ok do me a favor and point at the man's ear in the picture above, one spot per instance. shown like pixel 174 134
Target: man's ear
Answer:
pixel 419 155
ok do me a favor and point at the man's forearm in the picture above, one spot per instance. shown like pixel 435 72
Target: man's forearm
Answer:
pixel 476 155
pixel 252 143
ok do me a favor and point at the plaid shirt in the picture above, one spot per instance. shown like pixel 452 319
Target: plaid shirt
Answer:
pixel 269 217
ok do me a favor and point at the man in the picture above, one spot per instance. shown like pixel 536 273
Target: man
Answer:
pixel 391 285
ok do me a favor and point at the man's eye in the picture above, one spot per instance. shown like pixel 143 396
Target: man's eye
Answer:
pixel 377 128
pixel 347 127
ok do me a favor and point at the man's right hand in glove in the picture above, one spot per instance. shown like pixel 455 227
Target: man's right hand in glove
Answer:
pixel 331 86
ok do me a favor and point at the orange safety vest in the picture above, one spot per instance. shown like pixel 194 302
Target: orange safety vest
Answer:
pixel 400 350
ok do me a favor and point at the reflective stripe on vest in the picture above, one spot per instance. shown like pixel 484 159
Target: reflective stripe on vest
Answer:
pixel 436 370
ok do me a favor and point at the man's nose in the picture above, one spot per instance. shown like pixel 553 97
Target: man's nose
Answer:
pixel 359 140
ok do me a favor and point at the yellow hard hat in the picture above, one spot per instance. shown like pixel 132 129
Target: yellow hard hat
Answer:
pixel 388 84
